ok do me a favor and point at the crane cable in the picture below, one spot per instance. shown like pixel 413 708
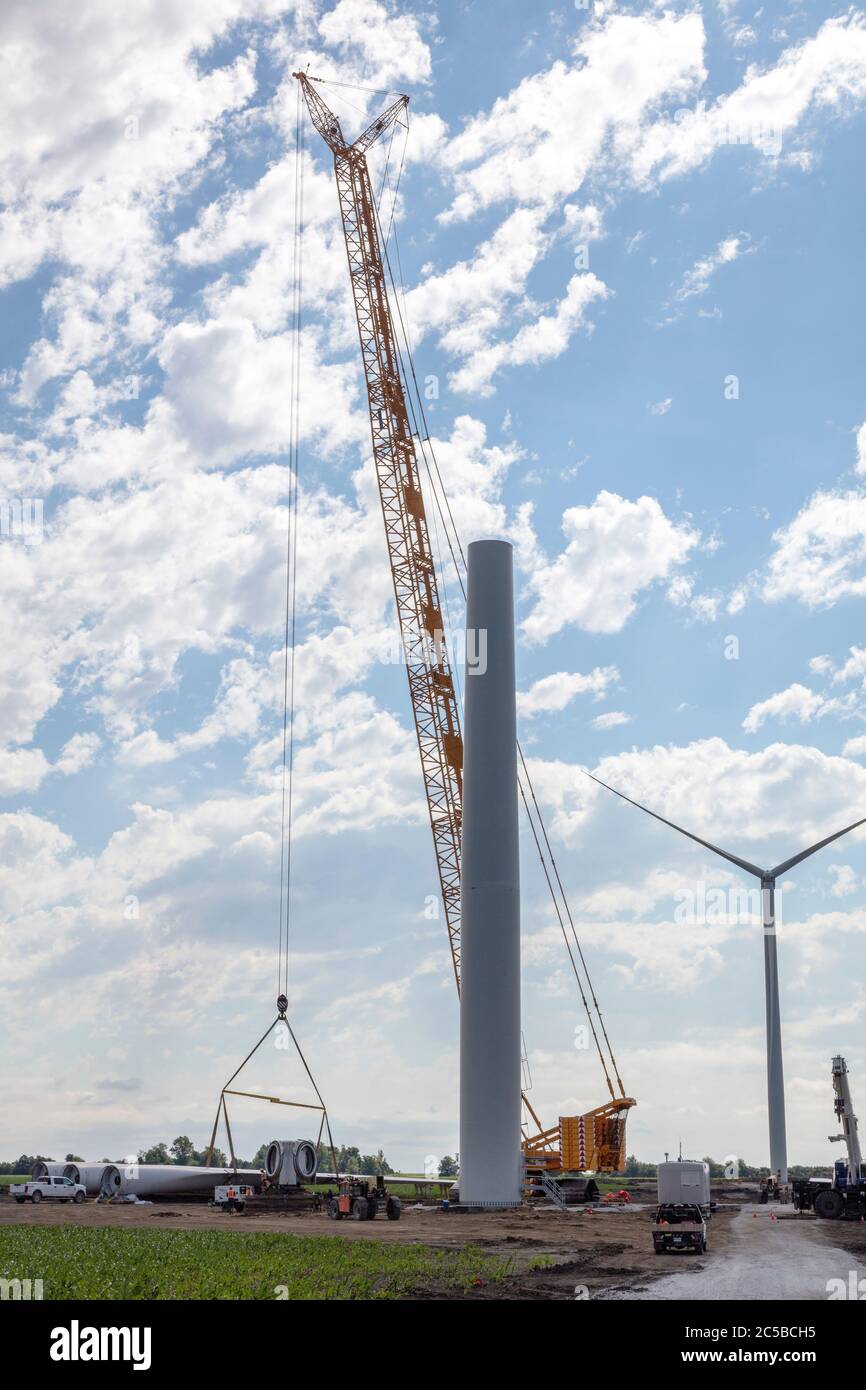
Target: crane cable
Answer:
pixel 399 177
pixel 411 380
pixel 565 904
pixel 287 775
pixel 583 998
pixel 287 778
pixel 404 324
pixel 356 87
pixel 388 160
pixel 290 632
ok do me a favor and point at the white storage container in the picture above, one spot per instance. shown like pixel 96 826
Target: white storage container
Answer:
pixel 686 1180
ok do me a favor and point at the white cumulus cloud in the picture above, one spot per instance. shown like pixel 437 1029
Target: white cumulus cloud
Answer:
pixel 614 719
pixel 797 702
pixel 820 556
pixel 554 693
pixel 615 549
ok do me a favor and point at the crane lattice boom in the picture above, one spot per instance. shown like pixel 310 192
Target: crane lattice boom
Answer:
pixel 416 590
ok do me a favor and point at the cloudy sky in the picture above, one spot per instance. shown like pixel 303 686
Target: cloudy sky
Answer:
pixel 631 240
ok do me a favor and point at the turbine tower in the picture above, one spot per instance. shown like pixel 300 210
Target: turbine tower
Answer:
pixel 490 1169
pixel 767 877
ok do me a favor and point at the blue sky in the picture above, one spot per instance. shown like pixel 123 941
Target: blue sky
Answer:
pixel 630 238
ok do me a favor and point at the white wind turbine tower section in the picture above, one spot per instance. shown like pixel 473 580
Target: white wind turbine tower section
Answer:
pixel 767 877
pixel 490 1159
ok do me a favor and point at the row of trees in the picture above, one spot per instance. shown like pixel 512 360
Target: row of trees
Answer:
pixel 731 1168
pixel 25 1162
pixel 751 1172
pixel 351 1160
pixel 182 1151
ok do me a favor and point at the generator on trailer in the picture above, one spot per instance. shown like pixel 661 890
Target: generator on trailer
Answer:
pixel 233 1196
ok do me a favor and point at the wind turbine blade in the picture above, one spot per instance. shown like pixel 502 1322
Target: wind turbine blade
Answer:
pixel 734 859
pixel 813 849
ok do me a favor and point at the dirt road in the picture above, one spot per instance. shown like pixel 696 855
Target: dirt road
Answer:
pixel 791 1258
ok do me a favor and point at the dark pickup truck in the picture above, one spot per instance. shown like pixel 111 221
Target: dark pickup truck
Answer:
pixel 679 1227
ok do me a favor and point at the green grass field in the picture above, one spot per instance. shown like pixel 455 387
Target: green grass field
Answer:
pixel 80 1262
pixel 7 1178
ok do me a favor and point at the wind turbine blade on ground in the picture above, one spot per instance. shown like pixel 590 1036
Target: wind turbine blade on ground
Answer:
pixel 733 858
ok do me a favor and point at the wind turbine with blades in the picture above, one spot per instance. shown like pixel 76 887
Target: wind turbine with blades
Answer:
pixel 767 877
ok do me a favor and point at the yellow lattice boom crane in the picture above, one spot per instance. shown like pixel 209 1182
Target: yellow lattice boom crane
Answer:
pixel 595 1140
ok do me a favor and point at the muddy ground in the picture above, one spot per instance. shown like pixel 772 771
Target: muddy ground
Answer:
pixel 558 1255
pixel 850 1235
pixel 755 1252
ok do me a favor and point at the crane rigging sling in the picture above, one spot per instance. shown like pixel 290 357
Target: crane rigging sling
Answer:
pixel 287 769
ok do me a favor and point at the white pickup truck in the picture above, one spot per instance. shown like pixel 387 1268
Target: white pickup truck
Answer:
pixel 49 1190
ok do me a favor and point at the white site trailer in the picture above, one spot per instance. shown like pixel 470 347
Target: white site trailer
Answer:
pixel 683 1181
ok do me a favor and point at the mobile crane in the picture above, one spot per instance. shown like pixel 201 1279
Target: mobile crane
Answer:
pixel 596 1139
pixel 843 1195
